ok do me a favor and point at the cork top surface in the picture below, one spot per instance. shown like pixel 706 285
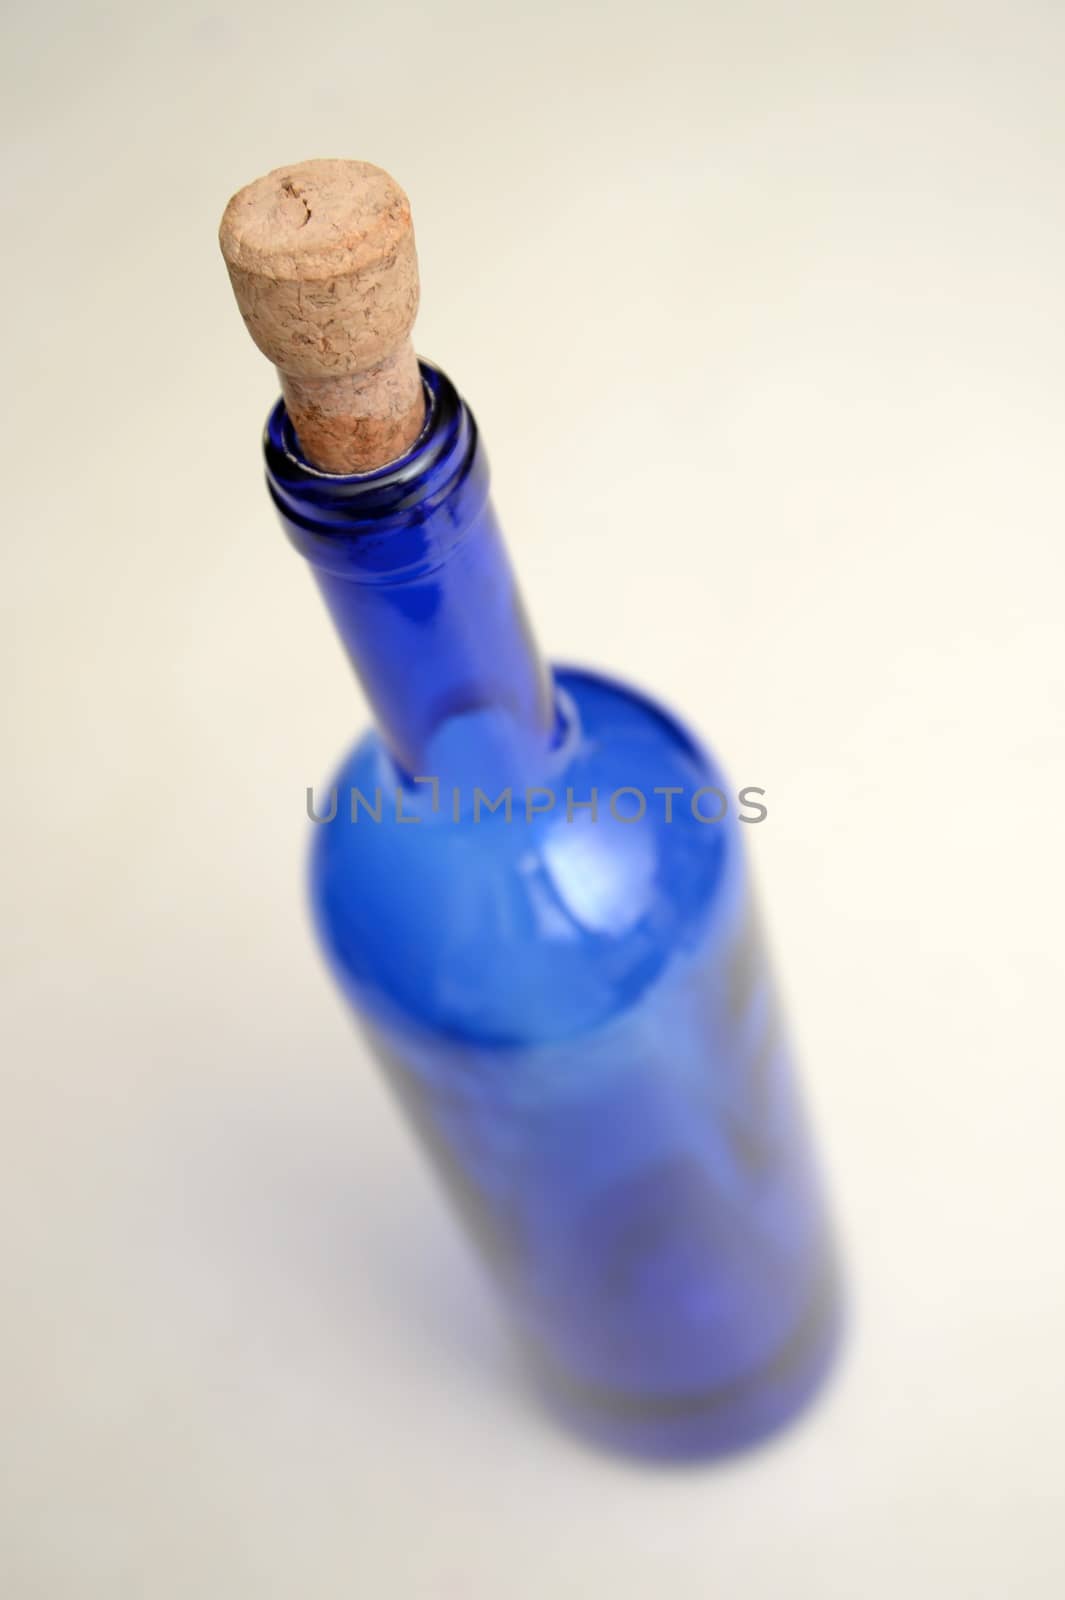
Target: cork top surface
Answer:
pixel 315 220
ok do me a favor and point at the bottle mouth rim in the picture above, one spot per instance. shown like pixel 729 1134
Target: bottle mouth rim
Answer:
pixel 397 484
pixel 282 444
pixel 379 526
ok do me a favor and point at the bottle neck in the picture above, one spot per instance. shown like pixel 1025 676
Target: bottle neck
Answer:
pixel 412 566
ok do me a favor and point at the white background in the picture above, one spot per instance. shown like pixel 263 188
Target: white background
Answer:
pixel 760 310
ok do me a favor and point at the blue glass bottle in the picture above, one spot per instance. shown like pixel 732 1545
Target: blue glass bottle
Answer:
pixel 525 887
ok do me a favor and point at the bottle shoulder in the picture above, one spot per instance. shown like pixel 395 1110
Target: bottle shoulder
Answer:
pixel 519 915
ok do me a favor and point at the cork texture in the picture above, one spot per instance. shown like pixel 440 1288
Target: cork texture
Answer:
pixel 322 261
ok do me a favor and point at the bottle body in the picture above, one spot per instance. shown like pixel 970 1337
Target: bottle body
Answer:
pixel 577 1014
pixel 532 895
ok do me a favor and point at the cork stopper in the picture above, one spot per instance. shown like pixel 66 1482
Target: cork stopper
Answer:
pixel 321 259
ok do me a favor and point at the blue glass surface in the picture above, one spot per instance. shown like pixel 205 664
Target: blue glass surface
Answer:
pixel 554 951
